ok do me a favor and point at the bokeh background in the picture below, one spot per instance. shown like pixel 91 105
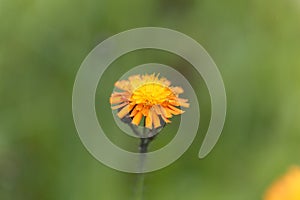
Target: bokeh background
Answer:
pixel 256 45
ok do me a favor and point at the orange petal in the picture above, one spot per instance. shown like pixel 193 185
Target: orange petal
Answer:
pixel 155 119
pixel 119 106
pixel 183 102
pixel 187 105
pixel 124 111
pixel 175 111
pixel 177 90
pixel 149 120
pixel 165 119
pixel 134 112
pixel 139 107
pixel 116 99
pixel 145 111
pixel 123 85
pixel 165 112
pixel 157 109
pixel 174 102
pixel 137 118
pixel 135 81
pixel 165 81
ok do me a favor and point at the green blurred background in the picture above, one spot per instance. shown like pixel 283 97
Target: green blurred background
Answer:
pixel 256 45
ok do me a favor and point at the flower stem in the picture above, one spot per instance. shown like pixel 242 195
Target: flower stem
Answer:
pixel 143 149
pixel 146 141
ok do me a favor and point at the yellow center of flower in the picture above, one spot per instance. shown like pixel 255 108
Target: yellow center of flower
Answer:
pixel 151 94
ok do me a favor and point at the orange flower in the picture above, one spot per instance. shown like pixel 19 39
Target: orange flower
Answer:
pixel 286 188
pixel 148 96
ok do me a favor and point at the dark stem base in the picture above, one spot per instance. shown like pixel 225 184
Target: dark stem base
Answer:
pixel 144 144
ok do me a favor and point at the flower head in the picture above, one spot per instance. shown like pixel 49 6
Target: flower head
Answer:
pixel 287 188
pixel 147 96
